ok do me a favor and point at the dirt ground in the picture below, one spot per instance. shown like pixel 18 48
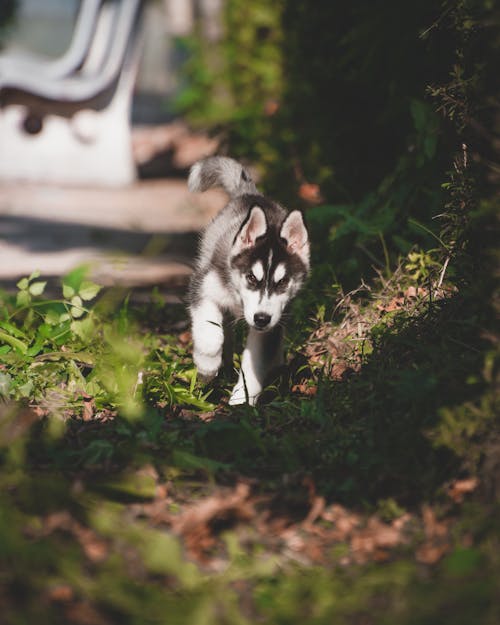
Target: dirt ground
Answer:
pixel 139 235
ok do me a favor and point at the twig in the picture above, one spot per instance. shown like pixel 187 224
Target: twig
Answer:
pixel 443 271
pixel 435 24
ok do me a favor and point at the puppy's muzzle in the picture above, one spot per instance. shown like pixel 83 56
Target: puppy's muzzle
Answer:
pixel 261 320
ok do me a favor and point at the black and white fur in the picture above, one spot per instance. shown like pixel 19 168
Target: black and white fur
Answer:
pixel 253 258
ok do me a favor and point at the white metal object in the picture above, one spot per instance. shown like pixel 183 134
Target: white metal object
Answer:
pixel 73 126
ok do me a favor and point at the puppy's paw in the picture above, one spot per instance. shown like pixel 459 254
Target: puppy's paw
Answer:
pixel 208 366
pixel 206 377
pixel 239 396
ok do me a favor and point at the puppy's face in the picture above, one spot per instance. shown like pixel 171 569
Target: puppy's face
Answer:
pixel 268 266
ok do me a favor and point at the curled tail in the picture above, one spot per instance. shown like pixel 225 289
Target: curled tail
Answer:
pixel 221 171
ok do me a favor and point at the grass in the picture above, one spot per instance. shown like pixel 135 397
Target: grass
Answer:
pixel 131 494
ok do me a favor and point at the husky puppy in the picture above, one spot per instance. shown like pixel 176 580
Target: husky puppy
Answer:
pixel 253 258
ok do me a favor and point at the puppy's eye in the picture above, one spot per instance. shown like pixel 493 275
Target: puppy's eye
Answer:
pixel 251 279
pixel 283 281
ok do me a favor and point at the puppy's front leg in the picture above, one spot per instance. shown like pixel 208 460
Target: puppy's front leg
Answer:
pixel 263 352
pixel 208 338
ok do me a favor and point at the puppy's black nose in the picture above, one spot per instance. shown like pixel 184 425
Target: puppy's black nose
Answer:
pixel 261 320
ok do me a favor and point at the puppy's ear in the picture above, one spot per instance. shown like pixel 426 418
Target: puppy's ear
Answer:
pixel 253 228
pixel 295 234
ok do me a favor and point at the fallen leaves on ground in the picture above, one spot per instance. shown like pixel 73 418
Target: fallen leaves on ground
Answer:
pixel 339 346
pixel 437 541
pixel 299 525
pixel 198 523
pixel 459 488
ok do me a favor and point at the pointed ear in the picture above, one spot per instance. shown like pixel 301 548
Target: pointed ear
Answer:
pixel 295 234
pixel 253 228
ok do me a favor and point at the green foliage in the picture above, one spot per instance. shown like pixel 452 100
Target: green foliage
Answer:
pixel 231 83
pixel 335 94
pixel 421 265
pixel 59 351
pixel 373 128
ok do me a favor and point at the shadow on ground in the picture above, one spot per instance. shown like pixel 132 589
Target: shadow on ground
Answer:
pixel 164 258
pixel 366 438
pixel 35 235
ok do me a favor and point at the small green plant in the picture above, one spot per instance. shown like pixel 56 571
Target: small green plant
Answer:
pixel 68 352
pixel 422 264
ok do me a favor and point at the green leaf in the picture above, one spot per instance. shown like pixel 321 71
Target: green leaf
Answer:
pixel 37 288
pixel 185 460
pixel 26 389
pixel 5 384
pixel 14 342
pixel 136 485
pixel 76 313
pixel 68 291
pixel 12 330
pixel 35 274
pixel 463 561
pixel 76 308
pixel 430 143
pixel 88 290
pixel 36 347
pixel 23 298
pixel 23 284
pixel 83 329
pixel 83 357
pixel 419 113
pixel 161 553
pixel 75 278
pixel 184 396
pixel 53 317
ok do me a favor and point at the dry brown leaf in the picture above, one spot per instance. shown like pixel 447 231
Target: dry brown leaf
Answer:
pixel 185 338
pixel 207 416
pixel 204 510
pixel 305 389
pixel 95 549
pixel 430 553
pixel 383 534
pixel 459 488
pixel 401 521
pixel 196 523
pixel 396 303
pixel 374 540
pixel 83 613
pixel 161 491
pixel 317 507
pixel 339 369
pixel 432 527
pixel 310 192
pixel 362 545
pixel 314 549
pixel 271 107
pixel 61 593
pixel 380 555
pixel 57 520
pixel 88 408
pixel 344 521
